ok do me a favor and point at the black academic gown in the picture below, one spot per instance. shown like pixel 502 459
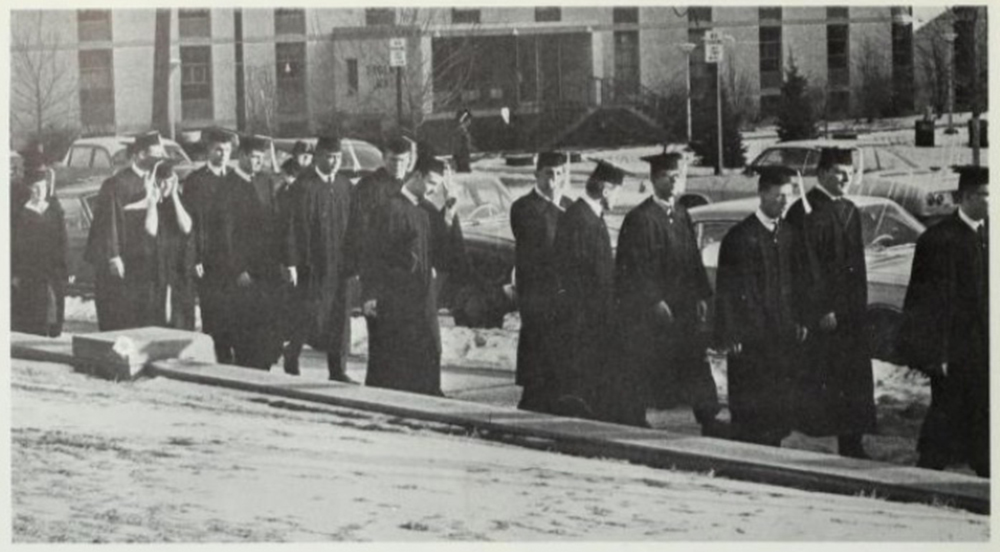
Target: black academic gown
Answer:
pixel 835 393
pixel 38 261
pixel 946 319
pixel 658 260
pixel 211 230
pixel 585 266
pixel 533 220
pixel 316 245
pixel 118 230
pixel 755 306
pixel 411 241
pixel 367 197
pixel 175 277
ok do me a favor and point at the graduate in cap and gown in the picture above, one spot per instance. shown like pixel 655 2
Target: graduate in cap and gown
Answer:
pixel 835 386
pixel 175 253
pixel 203 194
pixel 317 260
pixel 37 258
pixel 462 141
pixel 585 330
pixel 946 329
pixel 663 291
pixel 756 315
pixel 412 241
pixel 533 219
pixel 121 245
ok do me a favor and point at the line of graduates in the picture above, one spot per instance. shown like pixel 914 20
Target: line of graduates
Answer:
pixel 269 257
pixel 606 336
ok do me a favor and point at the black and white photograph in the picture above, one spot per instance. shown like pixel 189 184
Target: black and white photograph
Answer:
pixel 647 272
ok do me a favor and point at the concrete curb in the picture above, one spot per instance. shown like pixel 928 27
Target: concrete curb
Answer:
pixel 656 448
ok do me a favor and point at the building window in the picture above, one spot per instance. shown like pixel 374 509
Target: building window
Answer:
pixel 770 105
pixel 838 13
pixel 289 21
pixel 838 55
pixel 625 15
pixel 352 77
pixel 902 68
pixel 291 77
pixel 699 15
pixel 194 23
pixel 93 25
pixel 97 89
pixel 769 16
pixel 196 83
pixel 626 63
pixel 548 14
pixel 770 57
pixel 380 16
pixel 840 103
pixel 464 16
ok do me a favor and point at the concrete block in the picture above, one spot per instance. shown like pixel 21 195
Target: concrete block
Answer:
pixel 124 354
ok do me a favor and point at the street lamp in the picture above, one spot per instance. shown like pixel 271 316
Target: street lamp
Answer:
pixel 174 64
pixel 687 48
pixel 950 37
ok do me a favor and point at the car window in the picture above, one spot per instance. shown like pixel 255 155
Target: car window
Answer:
pixel 76 219
pixel 887 225
pixel 120 157
pixel 101 159
pixel 712 232
pixel 871 160
pixel 889 160
pixel 793 158
pixel 79 156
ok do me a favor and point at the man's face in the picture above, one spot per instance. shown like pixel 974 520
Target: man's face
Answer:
pixel 610 194
pixel 148 158
pixel 836 178
pixel 397 163
pixel 976 202
pixel 304 159
pixel 39 190
pixel 551 180
pixel 328 162
pixel 219 153
pixel 252 162
pixel 432 183
pixel 668 183
pixel 774 200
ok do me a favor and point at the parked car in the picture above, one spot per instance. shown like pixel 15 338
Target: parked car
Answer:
pixel 890 235
pixel 887 172
pixel 97 158
pixel 360 158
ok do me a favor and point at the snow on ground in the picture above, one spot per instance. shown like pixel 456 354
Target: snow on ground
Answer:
pixel 161 460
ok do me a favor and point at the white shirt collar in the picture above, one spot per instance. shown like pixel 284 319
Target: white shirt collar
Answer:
pixel 328 178
pixel 409 195
pixel 545 197
pixel 767 221
pixel 595 204
pixel 668 205
pixel 965 218
pixel 242 174
pixel 827 192
pixel 138 171
pixel 217 171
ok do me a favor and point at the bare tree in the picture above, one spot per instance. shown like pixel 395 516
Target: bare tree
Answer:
pixel 42 86
pixel 261 100
pixel 875 92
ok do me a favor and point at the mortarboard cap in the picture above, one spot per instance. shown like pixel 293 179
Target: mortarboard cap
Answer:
pixel 970 176
pixel 291 167
pixel 774 176
pixel 301 147
pixel 145 141
pixel 606 172
pixel 253 143
pixel 427 162
pixel 329 143
pixel 666 161
pixel 829 157
pixel 548 159
pixel 397 145
pixel 216 135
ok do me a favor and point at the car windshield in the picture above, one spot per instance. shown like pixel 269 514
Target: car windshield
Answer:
pixel 799 158
pixel 885 225
pixel 478 198
pixel 173 150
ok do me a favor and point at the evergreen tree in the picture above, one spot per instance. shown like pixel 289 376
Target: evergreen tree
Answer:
pixel 796 119
pixel 705 143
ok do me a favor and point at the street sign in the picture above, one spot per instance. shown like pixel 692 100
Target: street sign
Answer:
pixel 397 43
pixel 397 58
pixel 714 52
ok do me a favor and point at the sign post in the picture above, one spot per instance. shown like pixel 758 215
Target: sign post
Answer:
pixel 397 59
pixel 715 53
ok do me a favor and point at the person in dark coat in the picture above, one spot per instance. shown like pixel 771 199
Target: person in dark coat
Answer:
pixel 212 230
pixel 663 291
pixel 38 259
pixel 120 245
pixel 836 388
pixel 317 258
pixel 292 306
pixel 175 255
pixel 461 142
pixel 756 318
pixel 252 297
pixel 946 330
pixel 412 240
pixel 585 328
pixel 302 153
pixel 533 219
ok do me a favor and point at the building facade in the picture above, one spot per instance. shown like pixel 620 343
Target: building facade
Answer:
pixel 296 71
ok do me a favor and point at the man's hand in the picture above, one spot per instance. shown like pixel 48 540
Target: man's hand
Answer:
pixel 663 312
pixel 735 348
pixel 828 323
pixel 291 275
pixel 369 308
pixel 244 280
pixel 199 270
pixel 935 369
pixel 801 333
pixel 117 267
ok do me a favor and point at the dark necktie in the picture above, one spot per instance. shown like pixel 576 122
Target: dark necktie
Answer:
pixel 777 228
pixel 984 235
